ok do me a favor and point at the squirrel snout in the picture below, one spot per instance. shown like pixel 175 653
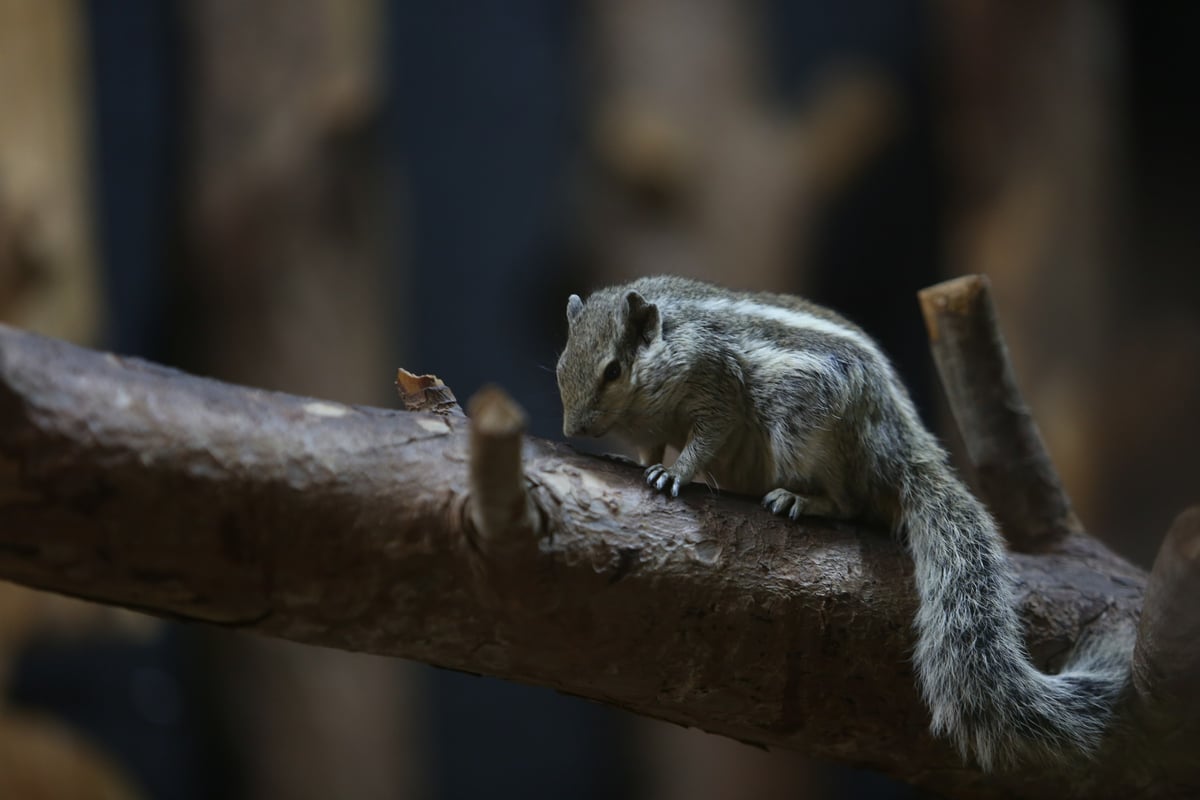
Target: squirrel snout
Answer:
pixel 577 425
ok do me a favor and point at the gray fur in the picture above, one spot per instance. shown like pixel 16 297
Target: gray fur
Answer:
pixel 775 396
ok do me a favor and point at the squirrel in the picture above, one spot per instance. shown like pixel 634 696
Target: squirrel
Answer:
pixel 775 396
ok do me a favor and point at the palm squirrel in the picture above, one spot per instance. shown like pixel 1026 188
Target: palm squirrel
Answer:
pixel 775 396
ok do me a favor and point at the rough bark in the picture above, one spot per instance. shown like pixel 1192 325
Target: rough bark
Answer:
pixel 346 526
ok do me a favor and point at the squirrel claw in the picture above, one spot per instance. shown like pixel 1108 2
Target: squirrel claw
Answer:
pixel 783 503
pixel 660 479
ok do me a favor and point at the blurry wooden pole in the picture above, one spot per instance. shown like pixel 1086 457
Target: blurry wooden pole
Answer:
pixel 283 226
pixel 284 250
pixel 700 171
pixel 48 283
pixel 48 280
pixel 1031 95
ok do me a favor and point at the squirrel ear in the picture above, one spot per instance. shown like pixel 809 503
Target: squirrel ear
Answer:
pixel 642 318
pixel 574 306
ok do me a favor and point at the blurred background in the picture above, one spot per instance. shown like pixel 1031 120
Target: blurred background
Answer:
pixel 304 194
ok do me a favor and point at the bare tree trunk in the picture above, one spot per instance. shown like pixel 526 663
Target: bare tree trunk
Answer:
pixel 283 231
pixel 1031 129
pixel 48 280
pixel 700 172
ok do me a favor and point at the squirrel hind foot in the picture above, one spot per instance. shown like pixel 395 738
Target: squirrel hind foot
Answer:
pixel 785 503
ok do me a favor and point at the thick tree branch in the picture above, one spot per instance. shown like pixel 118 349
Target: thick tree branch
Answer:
pixel 1016 476
pixel 348 527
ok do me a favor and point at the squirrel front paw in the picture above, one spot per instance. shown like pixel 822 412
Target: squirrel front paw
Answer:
pixel 662 479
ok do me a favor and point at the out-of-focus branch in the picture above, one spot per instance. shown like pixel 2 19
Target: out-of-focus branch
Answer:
pixel 1166 663
pixel 1015 474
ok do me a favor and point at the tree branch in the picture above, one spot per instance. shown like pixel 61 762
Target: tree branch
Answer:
pixel 1016 476
pixel 347 527
pixel 504 519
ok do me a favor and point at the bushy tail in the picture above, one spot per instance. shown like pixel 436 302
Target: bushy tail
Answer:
pixel 974 671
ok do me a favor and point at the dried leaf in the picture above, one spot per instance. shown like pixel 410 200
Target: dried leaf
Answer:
pixel 425 393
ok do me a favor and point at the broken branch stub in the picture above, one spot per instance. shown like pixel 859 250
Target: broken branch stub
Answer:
pixel 1015 475
pixel 502 517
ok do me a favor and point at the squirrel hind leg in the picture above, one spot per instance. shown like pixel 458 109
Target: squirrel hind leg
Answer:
pixel 786 503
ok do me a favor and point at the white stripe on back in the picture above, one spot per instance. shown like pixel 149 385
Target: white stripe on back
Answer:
pixel 793 318
pixel 770 357
pixel 802 320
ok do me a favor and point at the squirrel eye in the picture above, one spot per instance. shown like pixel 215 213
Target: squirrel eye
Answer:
pixel 612 371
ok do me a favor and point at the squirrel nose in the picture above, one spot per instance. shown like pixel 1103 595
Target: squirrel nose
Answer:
pixel 573 425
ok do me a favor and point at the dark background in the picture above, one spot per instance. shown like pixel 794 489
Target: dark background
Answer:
pixel 252 223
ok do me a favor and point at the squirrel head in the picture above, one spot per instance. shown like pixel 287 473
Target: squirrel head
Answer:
pixel 597 376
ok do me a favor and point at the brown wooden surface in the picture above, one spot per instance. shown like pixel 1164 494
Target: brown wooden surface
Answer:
pixel 342 526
